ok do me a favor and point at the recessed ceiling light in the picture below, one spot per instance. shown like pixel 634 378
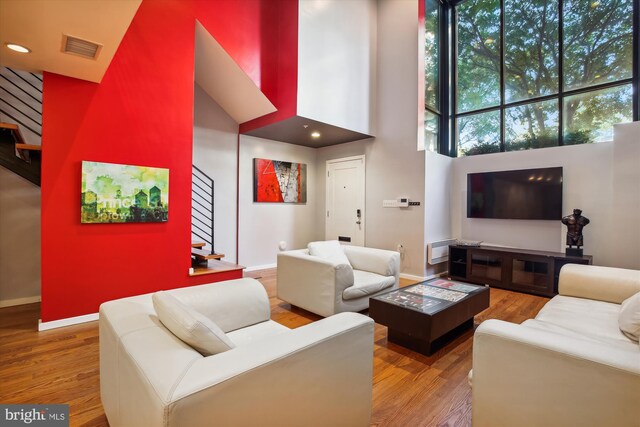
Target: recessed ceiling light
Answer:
pixel 18 48
pixel 315 134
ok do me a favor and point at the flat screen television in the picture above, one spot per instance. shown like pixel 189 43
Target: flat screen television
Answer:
pixel 516 194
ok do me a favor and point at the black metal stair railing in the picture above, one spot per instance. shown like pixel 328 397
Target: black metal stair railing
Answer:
pixel 202 202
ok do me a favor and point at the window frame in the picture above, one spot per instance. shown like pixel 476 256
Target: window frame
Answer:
pixel 448 78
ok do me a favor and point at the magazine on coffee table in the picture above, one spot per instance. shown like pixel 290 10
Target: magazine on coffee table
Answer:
pixel 454 286
pixel 436 292
pixel 414 301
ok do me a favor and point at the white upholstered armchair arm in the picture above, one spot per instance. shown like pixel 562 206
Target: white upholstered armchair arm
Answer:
pixel 598 283
pixel 310 282
pixel 316 375
pixel 380 261
pixel 528 377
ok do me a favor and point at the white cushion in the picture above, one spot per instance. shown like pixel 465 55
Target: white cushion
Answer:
pixel 330 250
pixel 190 326
pixel 564 332
pixel 588 317
pixel 366 283
pixel 258 332
pixel 629 318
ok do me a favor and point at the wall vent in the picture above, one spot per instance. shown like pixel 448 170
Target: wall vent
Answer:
pixel 80 47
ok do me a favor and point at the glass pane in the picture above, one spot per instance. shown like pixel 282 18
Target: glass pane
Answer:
pixel 479 134
pixel 478 54
pixel 431 53
pixel 531 48
pixel 597 41
pixel 589 117
pixel 530 273
pixel 531 126
pixel 486 266
pixel 431 130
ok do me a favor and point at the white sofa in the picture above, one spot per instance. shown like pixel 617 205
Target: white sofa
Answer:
pixel 327 286
pixel 570 366
pixel 316 375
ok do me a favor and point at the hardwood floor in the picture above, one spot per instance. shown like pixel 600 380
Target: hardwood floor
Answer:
pixel 409 389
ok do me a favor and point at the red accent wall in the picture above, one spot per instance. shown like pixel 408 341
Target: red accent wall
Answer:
pixel 279 63
pixel 141 114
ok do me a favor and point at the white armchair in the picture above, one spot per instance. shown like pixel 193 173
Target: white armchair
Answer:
pixel 570 366
pixel 327 285
pixel 315 375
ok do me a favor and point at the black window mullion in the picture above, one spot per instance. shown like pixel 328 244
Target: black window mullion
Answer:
pixel 560 73
pixel 636 59
pixel 502 82
pixel 453 91
pixel 443 80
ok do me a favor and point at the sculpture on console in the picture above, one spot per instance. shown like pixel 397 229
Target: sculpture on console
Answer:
pixel 575 223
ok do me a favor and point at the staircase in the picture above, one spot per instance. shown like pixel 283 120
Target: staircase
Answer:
pixel 21 123
pixel 202 219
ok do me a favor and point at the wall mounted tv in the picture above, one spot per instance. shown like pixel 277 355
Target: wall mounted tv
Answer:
pixel 516 194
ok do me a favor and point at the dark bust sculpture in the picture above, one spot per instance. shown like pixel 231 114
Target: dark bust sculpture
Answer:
pixel 575 223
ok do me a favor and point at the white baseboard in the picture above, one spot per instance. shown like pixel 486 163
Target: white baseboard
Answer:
pixel 261 267
pixel 19 301
pixel 44 326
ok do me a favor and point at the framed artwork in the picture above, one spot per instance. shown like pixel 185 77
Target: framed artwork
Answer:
pixel 279 182
pixel 113 193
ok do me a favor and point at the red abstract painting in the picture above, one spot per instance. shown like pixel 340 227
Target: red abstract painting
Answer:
pixel 279 182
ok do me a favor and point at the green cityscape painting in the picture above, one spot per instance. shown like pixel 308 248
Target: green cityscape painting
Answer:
pixel 113 193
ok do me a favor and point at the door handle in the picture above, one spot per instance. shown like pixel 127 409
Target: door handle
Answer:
pixel 359 216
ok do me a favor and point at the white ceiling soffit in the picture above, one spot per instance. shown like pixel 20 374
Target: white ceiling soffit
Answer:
pixel 41 25
pixel 225 82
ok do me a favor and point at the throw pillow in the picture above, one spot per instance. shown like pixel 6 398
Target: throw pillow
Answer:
pixel 192 327
pixel 629 317
pixel 330 250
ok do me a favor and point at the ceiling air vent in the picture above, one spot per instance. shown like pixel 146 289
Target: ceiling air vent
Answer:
pixel 84 48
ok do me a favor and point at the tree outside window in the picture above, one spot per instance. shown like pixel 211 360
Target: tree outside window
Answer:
pixel 541 73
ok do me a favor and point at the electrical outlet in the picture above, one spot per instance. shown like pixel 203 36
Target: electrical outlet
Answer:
pixel 414 203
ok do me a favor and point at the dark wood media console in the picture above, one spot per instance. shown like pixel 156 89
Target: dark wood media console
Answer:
pixel 523 270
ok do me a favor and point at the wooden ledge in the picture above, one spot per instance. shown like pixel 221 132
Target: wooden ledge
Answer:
pixel 216 266
pixel 29 147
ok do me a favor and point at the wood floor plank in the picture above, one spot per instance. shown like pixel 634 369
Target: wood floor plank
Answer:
pixel 409 389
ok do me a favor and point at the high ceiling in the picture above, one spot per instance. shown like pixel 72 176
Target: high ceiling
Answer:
pixel 40 25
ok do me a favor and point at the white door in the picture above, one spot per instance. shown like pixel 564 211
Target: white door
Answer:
pixel 345 200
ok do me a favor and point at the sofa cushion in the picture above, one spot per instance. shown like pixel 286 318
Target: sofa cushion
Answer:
pixel 589 317
pixel 193 328
pixel 564 332
pixel 330 250
pixel 366 283
pixel 260 331
pixel 629 318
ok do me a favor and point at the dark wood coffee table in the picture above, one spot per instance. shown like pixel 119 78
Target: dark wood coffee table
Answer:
pixel 424 316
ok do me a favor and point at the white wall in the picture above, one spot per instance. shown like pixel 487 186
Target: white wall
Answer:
pixel 625 207
pixel 336 62
pixel 264 225
pixel 214 151
pixel 591 182
pixel 394 167
pixel 19 240
pixel 437 216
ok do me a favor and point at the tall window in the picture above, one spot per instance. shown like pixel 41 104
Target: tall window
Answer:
pixel 432 63
pixel 539 73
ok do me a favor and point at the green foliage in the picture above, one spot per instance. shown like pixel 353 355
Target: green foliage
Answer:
pixel 577 137
pixel 481 148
